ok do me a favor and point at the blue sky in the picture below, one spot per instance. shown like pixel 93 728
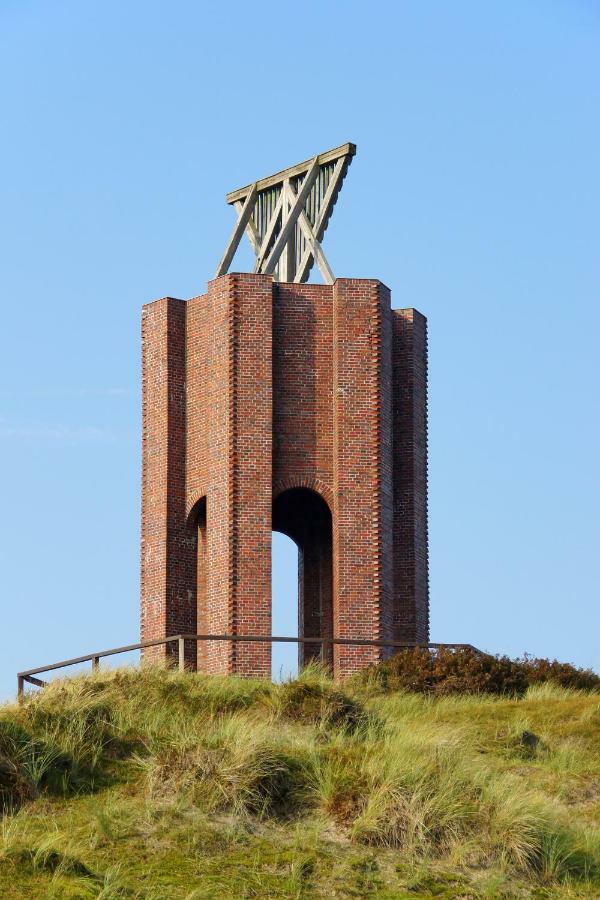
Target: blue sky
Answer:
pixel 474 195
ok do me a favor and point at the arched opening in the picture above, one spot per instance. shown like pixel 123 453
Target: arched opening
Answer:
pixel 304 516
pixel 197 525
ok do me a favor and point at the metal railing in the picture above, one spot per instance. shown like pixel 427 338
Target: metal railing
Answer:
pixel 29 676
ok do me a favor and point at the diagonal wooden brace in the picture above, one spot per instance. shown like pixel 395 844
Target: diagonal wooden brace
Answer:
pixel 304 266
pixel 240 227
pixel 314 245
pixel 287 229
pixel 253 235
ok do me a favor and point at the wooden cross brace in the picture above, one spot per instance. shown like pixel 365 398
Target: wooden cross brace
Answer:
pixel 285 217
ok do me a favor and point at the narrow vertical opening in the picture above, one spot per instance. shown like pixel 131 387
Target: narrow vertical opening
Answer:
pixel 284 608
pixel 197 523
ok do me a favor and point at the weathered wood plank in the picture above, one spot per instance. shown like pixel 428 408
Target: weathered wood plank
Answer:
pixel 278 178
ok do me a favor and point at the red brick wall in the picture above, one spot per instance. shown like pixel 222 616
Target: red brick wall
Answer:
pixel 362 543
pixel 210 372
pixel 411 561
pixel 168 558
pixel 229 460
pixel 258 388
pixel 302 384
pixel 251 478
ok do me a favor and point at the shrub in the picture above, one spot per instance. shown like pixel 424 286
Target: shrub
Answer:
pixel 448 672
pixel 539 671
pixel 445 671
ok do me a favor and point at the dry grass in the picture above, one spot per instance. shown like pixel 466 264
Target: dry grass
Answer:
pixel 155 784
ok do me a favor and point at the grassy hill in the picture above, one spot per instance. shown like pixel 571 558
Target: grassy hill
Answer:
pixel 153 784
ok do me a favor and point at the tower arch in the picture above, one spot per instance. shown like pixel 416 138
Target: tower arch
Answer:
pixel 197 535
pixel 304 516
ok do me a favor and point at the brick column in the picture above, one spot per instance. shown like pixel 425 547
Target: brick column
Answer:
pixel 362 469
pixel 411 581
pixel 168 577
pixel 229 461
pixel 250 454
pixel 210 395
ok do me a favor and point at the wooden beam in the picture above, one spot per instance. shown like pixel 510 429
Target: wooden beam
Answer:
pixel 240 227
pixel 304 266
pixel 313 243
pixel 317 252
pixel 36 681
pixel 287 260
pixel 286 230
pixel 251 231
pixel 345 150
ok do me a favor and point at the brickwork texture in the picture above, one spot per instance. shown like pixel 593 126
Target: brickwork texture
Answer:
pixel 295 408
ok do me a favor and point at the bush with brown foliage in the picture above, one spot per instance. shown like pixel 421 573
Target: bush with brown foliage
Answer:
pixel 564 674
pixel 445 671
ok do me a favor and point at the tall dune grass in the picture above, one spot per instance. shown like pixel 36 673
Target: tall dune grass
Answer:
pixel 493 788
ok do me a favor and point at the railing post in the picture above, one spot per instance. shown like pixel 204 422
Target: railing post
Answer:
pixel 20 688
pixel 181 654
pixel 95 663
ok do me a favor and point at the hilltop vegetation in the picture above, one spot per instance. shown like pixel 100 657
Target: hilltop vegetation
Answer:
pixel 154 784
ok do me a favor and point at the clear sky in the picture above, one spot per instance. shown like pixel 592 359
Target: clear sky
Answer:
pixel 474 195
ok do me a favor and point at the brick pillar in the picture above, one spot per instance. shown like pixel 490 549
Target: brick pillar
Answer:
pixel 210 395
pixel 362 469
pixel 168 577
pixel 229 461
pixel 250 486
pixel 411 583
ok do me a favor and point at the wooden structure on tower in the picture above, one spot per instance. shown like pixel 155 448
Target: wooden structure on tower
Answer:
pixel 285 217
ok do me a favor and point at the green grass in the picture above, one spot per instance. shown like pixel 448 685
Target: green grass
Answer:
pixel 153 784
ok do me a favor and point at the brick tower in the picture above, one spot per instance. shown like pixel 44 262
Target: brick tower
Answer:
pixel 301 408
